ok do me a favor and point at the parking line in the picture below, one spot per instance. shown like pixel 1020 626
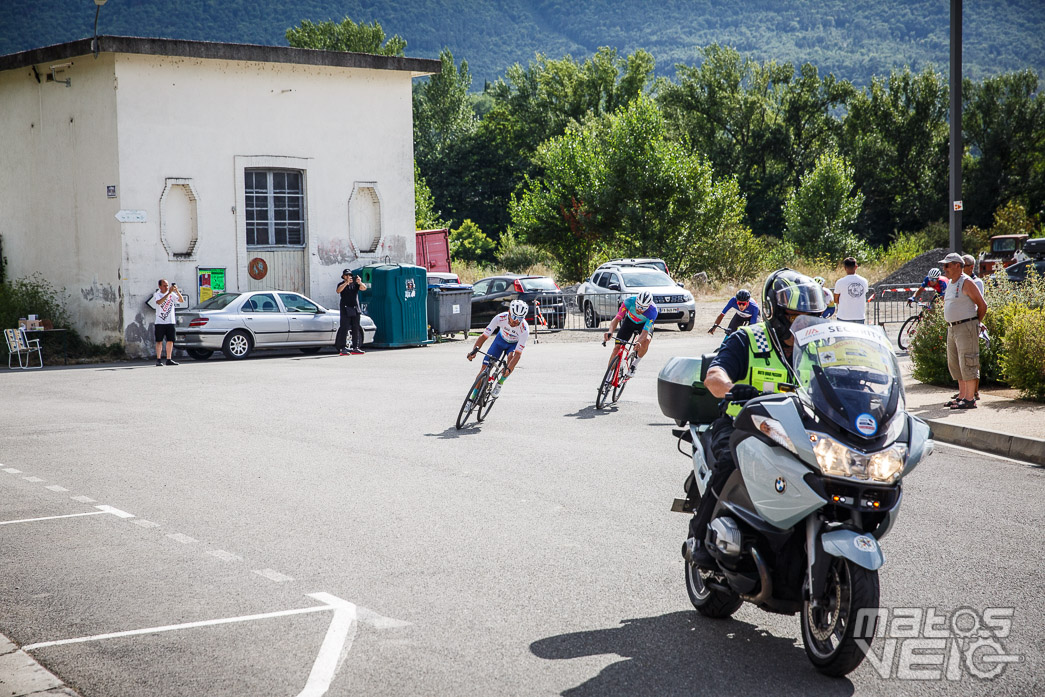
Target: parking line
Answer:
pixel 184 539
pixel 51 517
pixel 55 487
pixel 82 499
pixel 224 556
pixel 12 470
pixel 34 480
pixel 273 575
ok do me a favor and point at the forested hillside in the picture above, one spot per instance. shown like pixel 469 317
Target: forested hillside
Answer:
pixel 855 40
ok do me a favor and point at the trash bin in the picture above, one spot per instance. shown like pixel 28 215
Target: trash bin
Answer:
pixel 449 309
pixel 396 300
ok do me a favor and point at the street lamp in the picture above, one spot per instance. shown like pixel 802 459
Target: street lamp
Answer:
pixel 97 9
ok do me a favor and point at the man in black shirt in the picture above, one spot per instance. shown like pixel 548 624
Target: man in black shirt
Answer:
pixel 349 289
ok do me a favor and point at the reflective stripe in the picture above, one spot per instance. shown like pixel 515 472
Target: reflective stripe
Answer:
pixel 765 370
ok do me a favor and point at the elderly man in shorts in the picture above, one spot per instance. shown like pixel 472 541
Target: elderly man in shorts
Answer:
pixel 963 309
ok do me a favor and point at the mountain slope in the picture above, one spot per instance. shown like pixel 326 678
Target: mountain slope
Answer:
pixel 853 40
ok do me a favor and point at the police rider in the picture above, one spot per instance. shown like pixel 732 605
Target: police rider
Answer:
pixel 636 314
pixel 747 311
pixel 754 360
pixel 512 333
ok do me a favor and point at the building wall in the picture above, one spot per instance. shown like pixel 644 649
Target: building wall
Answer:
pixel 173 135
pixel 58 153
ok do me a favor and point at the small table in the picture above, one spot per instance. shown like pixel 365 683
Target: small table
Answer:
pixel 65 340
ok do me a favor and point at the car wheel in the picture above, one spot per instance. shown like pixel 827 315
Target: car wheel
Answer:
pixel 199 354
pixel 688 326
pixel 237 345
pixel 310 350
pixel 591 320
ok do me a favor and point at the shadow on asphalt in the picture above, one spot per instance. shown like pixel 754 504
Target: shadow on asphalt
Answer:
pixel 682 653
pixel 590 412
pixel 454 432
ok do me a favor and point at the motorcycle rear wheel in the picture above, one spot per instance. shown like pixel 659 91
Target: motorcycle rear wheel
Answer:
pixel 709 602
pixel 830 634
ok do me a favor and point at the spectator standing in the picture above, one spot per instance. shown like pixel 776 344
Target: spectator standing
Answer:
pixel 163 301
pixel 349 289
pixel 969 269
pixel 963 309
pixel 851 294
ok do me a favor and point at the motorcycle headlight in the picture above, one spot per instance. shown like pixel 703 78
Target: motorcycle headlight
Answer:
pixel 775 430
pixel 837 460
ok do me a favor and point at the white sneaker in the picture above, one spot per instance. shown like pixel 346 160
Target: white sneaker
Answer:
pixel 496 391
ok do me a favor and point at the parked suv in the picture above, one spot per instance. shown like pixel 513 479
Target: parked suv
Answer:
pixel 649 262
pixel 600 297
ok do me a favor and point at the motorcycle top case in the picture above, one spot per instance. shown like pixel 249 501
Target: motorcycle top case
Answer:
pixel 681 392
pixel 1035 248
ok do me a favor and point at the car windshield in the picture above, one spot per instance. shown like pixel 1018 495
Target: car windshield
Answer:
pixel 218 302
pixel 1008 245
pixel 849 372
pixel 541 283
pixel 646 279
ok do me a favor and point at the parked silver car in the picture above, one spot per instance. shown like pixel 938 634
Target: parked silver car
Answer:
pixel 238 323
pixel 600 297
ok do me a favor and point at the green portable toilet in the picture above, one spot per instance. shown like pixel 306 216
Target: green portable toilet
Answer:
pixel 396 299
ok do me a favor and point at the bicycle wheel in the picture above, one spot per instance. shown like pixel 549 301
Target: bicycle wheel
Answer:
pixel 486 398
pixel 907 330
pixel 622 380
pixel 469 404
pixel 607 382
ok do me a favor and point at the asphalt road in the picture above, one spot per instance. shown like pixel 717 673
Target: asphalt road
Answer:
pixel 532 555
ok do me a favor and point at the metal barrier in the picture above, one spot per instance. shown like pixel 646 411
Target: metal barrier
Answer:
pixel 890 302
pixel 592 310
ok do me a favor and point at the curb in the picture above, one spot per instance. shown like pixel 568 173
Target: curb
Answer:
pixel 21 675
pixel 1005 444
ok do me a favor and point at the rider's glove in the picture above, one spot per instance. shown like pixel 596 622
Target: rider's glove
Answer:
pixel 713 328
pixel 742 393
pixel 910 300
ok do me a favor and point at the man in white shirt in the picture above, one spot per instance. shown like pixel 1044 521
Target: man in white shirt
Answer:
pixel 163 301
pixel 851 295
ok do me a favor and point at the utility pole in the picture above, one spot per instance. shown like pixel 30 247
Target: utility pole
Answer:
pixel 956 126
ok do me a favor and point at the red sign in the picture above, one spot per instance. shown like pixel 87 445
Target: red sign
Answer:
pixel 257 268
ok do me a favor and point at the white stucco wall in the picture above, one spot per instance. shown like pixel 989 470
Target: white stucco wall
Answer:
pixel 57 155
pixel 136 121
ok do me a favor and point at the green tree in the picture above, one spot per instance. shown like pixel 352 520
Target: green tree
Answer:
pixel 468 243
pixel 425 215
pixel 820 214
pixel 443 113
pixel 345 36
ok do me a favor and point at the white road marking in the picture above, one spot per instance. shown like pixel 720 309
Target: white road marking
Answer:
pixel 335 647
pixel 12 470
pixel 50 517
pixel 184 539
pixel 82 499
pixel 141 522
pixel 273 575
pixel 34 480
pixel 55 487
pixel 115 511
pixel 225 556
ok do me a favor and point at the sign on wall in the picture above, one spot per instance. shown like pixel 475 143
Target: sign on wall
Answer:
pixel 211 282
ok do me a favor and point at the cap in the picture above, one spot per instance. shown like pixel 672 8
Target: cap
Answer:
pixel 953 258
pixel 344 271
pixel 969 260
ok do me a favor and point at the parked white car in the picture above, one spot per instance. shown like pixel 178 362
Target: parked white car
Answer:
pixel 600 297
pixel 238 323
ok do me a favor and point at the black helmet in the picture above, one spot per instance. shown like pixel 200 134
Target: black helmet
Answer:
pixel 789 290
pixel 743 295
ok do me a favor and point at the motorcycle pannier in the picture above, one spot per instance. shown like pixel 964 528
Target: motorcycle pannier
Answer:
pixel 681 392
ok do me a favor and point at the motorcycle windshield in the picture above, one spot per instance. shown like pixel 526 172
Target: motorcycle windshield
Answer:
pixel 850 374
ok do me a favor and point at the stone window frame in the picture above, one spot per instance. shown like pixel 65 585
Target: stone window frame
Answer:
pixel 374 250
pixel 168 185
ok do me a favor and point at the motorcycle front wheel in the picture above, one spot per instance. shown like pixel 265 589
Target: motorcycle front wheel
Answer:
pixel 831 630
pixel 709 602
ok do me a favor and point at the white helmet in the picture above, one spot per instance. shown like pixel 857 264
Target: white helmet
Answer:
pixel 934 273
pixel 643 300
pixel 518 309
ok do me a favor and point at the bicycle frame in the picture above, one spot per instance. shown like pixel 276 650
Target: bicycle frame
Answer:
pixel 483 402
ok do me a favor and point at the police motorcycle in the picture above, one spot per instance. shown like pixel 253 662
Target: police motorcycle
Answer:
pixel 798 524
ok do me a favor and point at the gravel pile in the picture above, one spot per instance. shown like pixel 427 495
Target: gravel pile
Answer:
pixel 914 271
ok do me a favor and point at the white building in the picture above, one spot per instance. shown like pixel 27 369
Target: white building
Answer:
pixel 165 159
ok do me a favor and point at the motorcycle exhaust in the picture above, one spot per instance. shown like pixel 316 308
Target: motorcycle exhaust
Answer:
pixel 766 583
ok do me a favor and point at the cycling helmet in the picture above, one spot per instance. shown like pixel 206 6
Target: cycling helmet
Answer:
pixel 820 279
pixel 789 290
pixel 743 295
pixel 518 309
pixel 643 300
pixel 934 273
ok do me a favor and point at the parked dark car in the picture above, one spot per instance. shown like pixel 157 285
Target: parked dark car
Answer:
pixel 1017 273
pixel 492 296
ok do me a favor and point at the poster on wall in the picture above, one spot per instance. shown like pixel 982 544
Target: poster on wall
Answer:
pixel 210 282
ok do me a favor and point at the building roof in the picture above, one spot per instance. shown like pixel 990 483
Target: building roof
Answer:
pixel 417 67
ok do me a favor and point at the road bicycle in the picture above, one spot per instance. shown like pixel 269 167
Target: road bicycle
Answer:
pixel 616 376
pixel 482 387
pixel 910 326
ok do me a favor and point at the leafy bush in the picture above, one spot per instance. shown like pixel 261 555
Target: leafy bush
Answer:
pixel 469 243
pixel 928 349
pixel 519 257
pixel 821 213
pixel 1023 358
pixel 31 295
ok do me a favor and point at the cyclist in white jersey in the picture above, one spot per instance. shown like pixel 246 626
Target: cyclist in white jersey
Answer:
pixel 512 333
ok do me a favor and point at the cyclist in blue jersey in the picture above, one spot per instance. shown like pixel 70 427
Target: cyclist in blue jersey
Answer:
pixel 636 314
pixel 747 311
pixel 932 280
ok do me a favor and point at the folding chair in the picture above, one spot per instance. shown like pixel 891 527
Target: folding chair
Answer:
pixel 18 344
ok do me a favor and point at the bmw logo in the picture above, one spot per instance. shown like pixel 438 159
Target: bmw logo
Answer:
pixel 780 485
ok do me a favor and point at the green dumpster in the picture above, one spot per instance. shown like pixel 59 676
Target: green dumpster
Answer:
pixel 396 299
